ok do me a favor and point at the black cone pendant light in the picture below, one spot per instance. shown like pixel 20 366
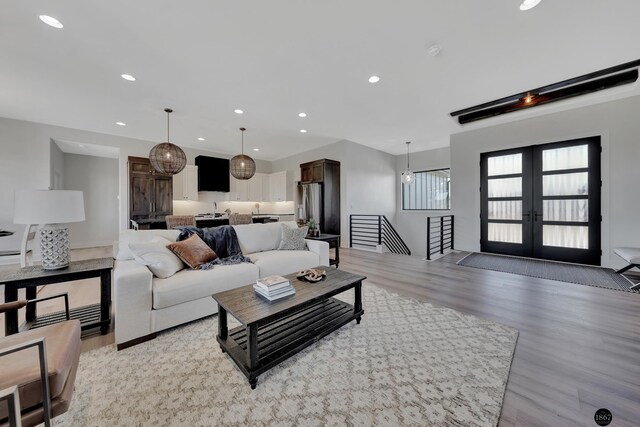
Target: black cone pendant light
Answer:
pixel 167 158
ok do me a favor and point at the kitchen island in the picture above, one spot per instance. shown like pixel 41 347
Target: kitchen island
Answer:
pixel 204 221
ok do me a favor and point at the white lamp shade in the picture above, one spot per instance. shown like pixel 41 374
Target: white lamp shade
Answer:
pixel 48 206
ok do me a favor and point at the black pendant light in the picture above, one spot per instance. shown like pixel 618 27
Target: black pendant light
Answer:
pixel 167 158
pixel 242 166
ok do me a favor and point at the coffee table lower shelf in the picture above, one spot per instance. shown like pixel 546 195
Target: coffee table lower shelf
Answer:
pixel 286 336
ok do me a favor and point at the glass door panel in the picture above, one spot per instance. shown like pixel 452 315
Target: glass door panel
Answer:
pixel 507 233
pixel 504 165
pixel 570 184
pixel 569 210
pixel 565 236
pixel 574 157
pixel 505 187
pixel 505 209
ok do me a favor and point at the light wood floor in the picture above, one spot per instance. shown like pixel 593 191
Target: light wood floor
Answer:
pixel 578 349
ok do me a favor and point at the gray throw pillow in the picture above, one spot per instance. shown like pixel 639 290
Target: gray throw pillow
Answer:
pixel 293 238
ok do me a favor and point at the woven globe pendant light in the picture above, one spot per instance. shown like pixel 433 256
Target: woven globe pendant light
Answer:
pixel 167 158
pixel 242 166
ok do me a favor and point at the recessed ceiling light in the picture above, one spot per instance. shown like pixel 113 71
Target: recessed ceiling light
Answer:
pixel 529 4
pixel 128 77
pixel 303 131
pixel 374 79
pixel 302 115
pixel 83 146
pixel 201 139
pixel 256 149
pixel 121 123
pixel 51 21
pixel 238 111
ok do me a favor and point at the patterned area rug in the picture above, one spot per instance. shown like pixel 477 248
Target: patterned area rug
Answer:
pixel 407 363
pixel 573 273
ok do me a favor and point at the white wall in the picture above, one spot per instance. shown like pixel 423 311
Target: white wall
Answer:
pixel 618 125
pixel 57 167
pixel 97 178
pixel 367 179
pixel 412 225
pixel 26 163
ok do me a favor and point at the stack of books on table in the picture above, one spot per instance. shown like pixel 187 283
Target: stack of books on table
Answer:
pixel 274 287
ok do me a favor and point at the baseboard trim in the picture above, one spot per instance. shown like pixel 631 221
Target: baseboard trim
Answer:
pixel 136 341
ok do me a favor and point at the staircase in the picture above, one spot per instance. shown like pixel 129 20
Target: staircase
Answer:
pixel 374 232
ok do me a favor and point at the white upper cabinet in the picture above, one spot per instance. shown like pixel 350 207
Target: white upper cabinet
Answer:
pixel 261 187
pixel 254 190
pixel 278 186
pixel 238 190
pixel 185 184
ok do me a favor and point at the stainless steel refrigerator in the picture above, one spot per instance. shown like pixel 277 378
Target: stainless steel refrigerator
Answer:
pixel 310 203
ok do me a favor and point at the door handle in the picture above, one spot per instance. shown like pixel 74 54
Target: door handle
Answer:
pixel 536 215
pixel 528 216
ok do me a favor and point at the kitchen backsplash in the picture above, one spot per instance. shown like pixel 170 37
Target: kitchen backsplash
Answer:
pixel 206 200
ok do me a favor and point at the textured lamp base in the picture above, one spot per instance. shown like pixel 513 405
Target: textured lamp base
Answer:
pixel 54 246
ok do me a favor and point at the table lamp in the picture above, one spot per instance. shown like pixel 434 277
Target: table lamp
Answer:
pixel 53 209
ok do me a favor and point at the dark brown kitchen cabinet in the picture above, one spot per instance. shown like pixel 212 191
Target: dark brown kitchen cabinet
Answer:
pixel 150 193
pixel 312 171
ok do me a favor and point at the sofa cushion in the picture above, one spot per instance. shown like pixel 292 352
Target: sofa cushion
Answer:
pixel 190 285
pixel 121 248
pixel 157 257
pixel 62 341
pixel 193 251
pixel 284 262
pixel 260 237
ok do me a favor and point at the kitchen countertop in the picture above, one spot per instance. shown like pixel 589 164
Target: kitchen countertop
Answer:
pixel 203 217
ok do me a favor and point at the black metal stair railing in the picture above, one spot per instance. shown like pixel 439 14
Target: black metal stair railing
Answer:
pixel 439 234
pixel 373 231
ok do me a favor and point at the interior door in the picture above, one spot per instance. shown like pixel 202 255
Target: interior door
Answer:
pixel 543 201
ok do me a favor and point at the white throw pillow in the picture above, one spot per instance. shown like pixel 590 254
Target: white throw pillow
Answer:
pixel 161 261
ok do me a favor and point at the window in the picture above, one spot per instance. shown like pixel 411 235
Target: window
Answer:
pixel 430 191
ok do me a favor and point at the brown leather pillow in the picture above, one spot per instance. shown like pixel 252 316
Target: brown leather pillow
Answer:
pixel 193 251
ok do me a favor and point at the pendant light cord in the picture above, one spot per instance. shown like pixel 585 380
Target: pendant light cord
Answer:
pixel 409 142
pixel 168 126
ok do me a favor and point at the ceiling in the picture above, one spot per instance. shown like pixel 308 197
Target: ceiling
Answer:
pixel 276 58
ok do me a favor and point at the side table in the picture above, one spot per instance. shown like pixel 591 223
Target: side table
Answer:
pixel 330 238
pixel 91 316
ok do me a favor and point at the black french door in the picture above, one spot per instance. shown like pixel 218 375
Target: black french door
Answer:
pixel 543 201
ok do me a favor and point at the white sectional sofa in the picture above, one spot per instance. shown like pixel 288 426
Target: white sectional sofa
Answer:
pixel 145 304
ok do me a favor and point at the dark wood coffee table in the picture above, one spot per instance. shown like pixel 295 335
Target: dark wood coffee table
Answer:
pixel 274 331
